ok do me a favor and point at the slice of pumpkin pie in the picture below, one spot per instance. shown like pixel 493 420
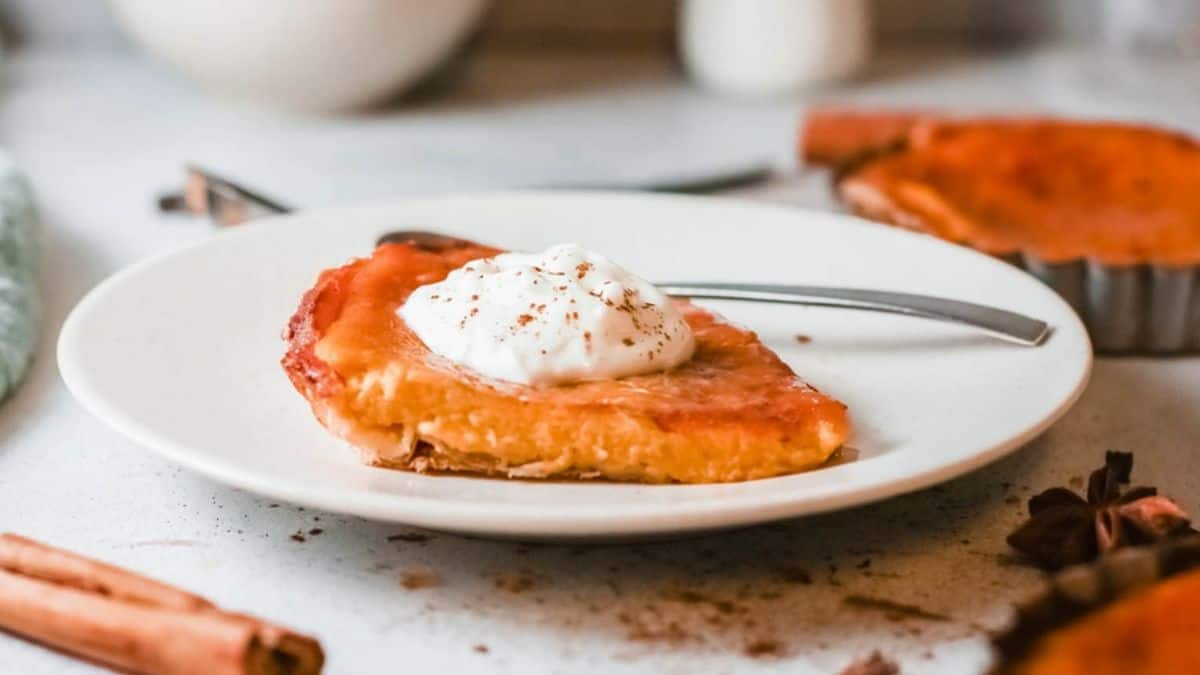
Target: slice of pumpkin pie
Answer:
pixel 461 358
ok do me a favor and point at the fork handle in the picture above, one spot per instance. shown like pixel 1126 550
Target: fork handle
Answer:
pixel 999 323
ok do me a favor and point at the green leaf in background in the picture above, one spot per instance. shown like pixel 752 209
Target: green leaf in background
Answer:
pixel 19 301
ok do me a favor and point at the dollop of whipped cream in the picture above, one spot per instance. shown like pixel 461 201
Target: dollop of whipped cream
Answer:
pixel 563 315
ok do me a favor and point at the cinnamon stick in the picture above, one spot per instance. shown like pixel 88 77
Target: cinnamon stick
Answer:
pixel 139 625
pixel 33 559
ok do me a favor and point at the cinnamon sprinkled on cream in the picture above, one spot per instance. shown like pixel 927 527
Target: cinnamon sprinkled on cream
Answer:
pixel 562 316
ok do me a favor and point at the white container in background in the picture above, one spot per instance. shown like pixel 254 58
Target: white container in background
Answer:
pixel 313 55
pixel 764 48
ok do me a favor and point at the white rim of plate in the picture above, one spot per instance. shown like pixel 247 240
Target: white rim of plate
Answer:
pixel 534 520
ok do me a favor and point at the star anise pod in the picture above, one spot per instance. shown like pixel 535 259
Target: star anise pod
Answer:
pixel 1065 528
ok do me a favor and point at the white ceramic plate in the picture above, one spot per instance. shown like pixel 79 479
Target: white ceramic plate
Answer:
pixel 181 354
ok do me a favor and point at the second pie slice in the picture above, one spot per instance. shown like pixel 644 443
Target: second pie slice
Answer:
pixel 734 411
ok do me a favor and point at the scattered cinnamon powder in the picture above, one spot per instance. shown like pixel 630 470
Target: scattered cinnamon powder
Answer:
pixel 894 611
pixel 419 577
pixel 414 537
pixel 795 575
pixel 648 625
pixel 515 583
pixel 875 664
pixel 696 598
pixel 763 648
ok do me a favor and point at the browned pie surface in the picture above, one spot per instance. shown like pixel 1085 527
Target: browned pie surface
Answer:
pixel 735 411
pixel 1153 632
pixel 1059 189
pixel 834 136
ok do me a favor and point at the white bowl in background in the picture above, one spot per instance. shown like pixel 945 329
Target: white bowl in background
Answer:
pixel 316 55
pixel 771 48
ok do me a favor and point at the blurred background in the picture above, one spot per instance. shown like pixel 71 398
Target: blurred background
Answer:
pixel 350 100
pixel 625 24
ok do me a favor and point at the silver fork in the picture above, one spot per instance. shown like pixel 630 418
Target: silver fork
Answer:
pixel 999 323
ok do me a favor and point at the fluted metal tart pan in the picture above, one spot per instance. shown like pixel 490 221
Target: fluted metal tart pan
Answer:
pixel 1133 309
pixel 1127 309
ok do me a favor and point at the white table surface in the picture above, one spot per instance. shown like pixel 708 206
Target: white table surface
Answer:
pixel 101 133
